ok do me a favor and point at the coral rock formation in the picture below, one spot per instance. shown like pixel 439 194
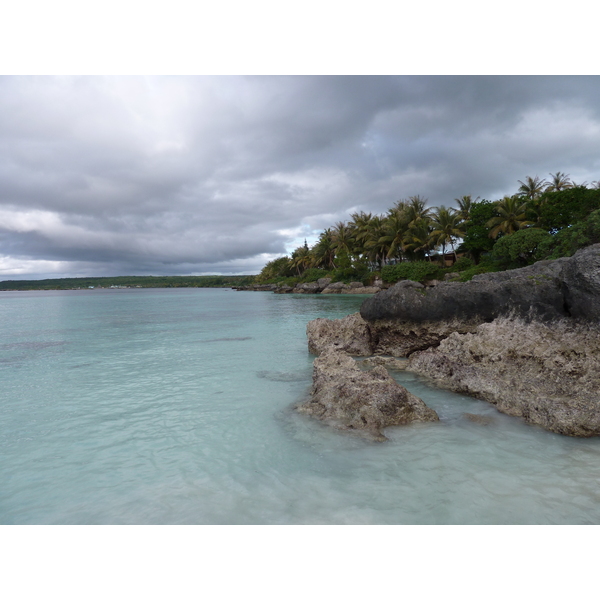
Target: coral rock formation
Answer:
pixel 346 397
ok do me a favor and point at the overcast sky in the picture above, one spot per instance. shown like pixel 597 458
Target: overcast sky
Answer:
pixel 192 175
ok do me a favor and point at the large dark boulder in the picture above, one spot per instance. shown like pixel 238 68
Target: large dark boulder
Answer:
pixel 567 287
pixel 581 284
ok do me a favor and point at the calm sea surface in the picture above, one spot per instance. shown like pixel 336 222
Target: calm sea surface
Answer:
pixel 174 406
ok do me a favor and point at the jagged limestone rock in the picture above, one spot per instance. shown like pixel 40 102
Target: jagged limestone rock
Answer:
pixel 541 368
pixel 545 373
pixel 389 362
pixel 349 334
pixel 346 397
pixel 362 290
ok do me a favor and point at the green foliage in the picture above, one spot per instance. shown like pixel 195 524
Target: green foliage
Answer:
pixel 567 207
pixel 462 264
pixel 313 274
pixel 570 239
pixel 522 248
pixel 478 269
pixel 477 240
pixel 343 261
pixel 275 270
pixel 420 270
pixel 358 272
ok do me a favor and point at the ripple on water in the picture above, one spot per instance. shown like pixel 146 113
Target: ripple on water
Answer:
pixel 125 414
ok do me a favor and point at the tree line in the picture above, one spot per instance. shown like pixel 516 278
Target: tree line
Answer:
pixel 139 281
pixel 543 219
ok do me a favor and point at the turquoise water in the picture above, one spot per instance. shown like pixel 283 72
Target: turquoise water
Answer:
pixel 174 406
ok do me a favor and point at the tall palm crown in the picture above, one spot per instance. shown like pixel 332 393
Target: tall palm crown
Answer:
pixel 375 247
pixel 301 259
pixel 510 216
pixel 361 225
pixel 445 228
pixel 323 252
pixel 465 204
pixel 416 211
pixel 343 240
pixel 559 182
pixel 532 188
pixel 417 241
pixel 395 228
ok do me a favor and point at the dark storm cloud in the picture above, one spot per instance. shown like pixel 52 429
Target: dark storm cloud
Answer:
pixel 219 174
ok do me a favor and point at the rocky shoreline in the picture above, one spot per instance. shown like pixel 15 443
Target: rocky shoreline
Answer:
pixel 321 286
pixel 526 340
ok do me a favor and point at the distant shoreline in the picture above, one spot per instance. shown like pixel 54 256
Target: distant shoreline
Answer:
pixel 127 282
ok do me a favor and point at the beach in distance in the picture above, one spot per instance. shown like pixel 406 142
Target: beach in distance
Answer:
pixel 176 406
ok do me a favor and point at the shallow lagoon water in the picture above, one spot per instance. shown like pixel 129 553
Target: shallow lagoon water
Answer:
pixel 174 406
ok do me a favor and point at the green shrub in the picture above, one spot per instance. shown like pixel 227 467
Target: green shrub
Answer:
pixel 313 274
pixel 462 264
pixel 358 272
pixel 522 248
pixel 570 239
pixel 420 270
pixel 487 268
pixel 559 210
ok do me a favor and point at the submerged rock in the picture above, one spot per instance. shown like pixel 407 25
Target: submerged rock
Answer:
pixel 479 419
pixel 346 397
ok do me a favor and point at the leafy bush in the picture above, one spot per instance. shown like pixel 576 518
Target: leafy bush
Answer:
pixel 476 240
pixel 358 272
pixel 522 248
pixel 275 270
pixel 462 264
pixel 419 270
pixel 570 239
pixel 559 210
pixel 313 274
pixel 478 269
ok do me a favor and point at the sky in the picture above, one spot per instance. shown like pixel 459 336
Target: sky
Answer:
pixel 135 175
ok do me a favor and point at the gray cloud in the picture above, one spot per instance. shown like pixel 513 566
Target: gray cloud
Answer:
pixel 129 175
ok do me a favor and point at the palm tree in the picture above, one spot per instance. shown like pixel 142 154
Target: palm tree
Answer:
pixel 343 240
pixel 301 258
pixel 417 241
pixel 376 247
pixel 511 216
pixel 323 253
pixel 559 182
pixel 416 211
pixel 395 227
pixel 465 204
pixel 445 228
pixel 360 225
pixel 532 188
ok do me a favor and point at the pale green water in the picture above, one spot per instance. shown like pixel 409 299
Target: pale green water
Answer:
pixel 174 406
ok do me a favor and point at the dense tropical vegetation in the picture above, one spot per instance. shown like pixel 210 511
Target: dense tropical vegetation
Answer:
pixel 543 219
